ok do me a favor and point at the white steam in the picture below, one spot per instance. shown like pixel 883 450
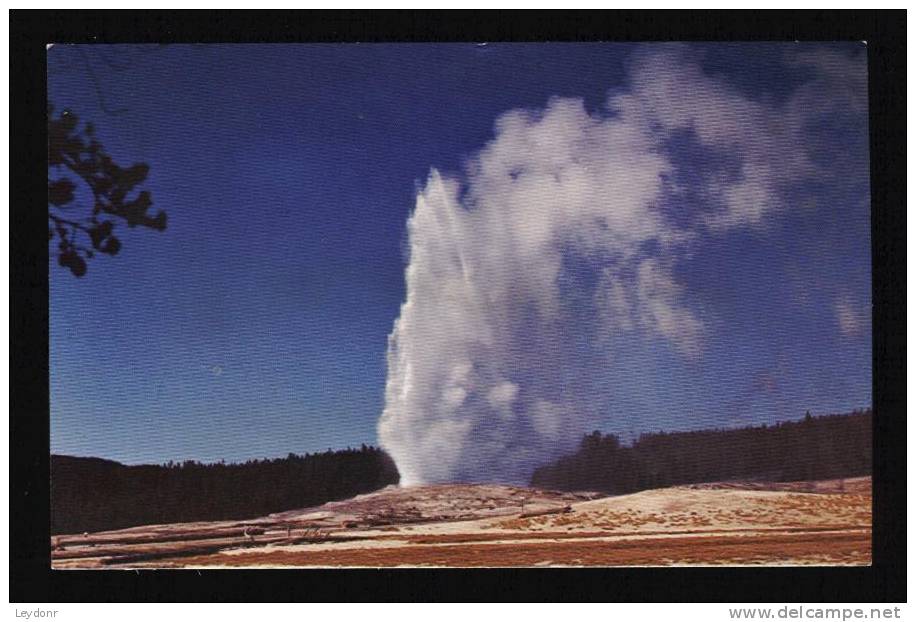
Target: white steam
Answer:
pixel 491 362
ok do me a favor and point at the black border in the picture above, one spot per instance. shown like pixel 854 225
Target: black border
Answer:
pixel 31 579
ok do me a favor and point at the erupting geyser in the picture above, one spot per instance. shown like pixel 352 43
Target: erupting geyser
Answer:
pixel 560 232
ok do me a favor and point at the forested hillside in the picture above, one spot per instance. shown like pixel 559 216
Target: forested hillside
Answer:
pixel 823 447
pixel 91 494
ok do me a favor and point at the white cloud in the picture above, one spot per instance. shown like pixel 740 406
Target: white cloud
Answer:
pixel 852 319
pixel 662 310
pixel 502 394
pixel 485 323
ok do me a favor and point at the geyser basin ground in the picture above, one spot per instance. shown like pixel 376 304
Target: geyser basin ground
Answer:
pixel 462 525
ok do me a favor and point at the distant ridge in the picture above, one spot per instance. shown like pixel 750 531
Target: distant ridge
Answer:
pixel 813 448
pixel 94 494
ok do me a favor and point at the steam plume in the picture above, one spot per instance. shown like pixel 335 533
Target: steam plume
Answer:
pixel 563 229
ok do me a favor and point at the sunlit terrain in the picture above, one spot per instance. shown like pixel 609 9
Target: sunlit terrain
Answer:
pixel 736 523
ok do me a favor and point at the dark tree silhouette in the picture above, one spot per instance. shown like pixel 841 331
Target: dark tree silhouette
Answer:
pixel 825 447
pixel 91 494
pixel 76 157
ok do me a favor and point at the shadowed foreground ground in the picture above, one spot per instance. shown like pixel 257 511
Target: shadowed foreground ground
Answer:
pixel 485 525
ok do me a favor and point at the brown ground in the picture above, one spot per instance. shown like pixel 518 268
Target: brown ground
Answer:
pixel 470 525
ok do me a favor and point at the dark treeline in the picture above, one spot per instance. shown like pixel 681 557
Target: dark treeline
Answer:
pixel 91 494
pixel 823 447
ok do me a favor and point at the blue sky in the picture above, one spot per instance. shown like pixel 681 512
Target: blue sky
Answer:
pixel 257 323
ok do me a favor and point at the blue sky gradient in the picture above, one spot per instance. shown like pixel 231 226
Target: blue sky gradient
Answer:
pixel 257 323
